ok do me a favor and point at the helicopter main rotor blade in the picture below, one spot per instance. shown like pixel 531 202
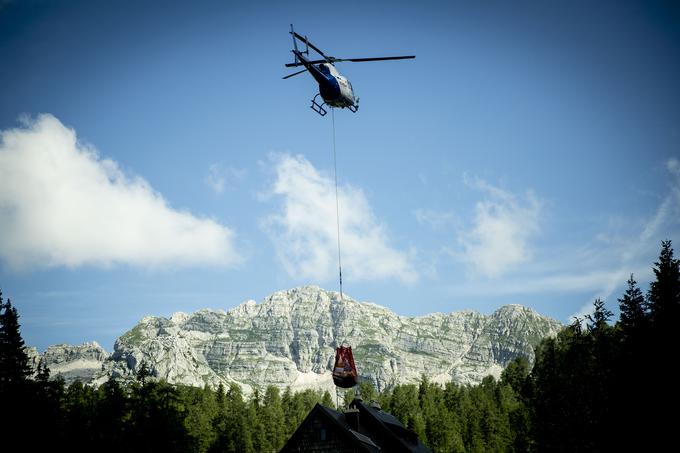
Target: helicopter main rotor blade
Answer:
pixel 306 41
pixel 358 60
pixel 355 60
pixel 294 74
pixel 329 59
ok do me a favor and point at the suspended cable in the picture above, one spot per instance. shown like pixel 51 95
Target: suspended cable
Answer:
pixel 345 373
pixel 337 203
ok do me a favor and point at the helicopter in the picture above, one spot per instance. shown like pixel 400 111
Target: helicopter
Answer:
pixel 334 89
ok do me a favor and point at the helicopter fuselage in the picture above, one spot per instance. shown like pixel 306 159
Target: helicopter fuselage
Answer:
pixel 335 89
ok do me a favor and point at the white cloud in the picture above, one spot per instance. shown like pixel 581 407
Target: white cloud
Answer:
pixel 503 225
pixel 305 233
pixel 61 204
pixel 635 250
pixel 673 165
pixel 220 177
pixel 598 268
pixel 434 219
pixel 563 282
pixel 215 179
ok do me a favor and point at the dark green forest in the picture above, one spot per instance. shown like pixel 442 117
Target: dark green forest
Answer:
pixel 598 386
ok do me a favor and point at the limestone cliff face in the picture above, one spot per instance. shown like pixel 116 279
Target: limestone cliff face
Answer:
pixel 84 362
pixel 289 339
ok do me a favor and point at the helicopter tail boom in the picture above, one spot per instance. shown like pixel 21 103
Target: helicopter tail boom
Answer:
pixel 319 76
pixel 295 49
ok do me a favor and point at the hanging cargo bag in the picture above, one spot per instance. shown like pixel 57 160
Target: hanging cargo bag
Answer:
pixel 345 371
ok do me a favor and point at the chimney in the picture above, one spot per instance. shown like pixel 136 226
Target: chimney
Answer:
pixel 352 417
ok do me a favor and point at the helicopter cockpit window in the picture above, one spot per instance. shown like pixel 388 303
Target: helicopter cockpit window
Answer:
pixel 323 68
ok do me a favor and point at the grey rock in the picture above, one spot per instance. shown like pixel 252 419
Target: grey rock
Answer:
pixel 73 363
pixel 289 339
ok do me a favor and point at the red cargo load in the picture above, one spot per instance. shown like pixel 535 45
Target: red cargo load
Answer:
pixel 345 371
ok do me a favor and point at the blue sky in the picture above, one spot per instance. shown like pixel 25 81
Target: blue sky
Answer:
pixel 153 161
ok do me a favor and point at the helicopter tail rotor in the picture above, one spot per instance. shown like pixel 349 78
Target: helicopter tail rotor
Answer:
pixel 294 74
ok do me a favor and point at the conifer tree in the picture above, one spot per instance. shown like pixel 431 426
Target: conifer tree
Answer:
pixel 143 374
pixel 111 419
pixel 664 305
pixel 598 319
pixel 42 375
pixel 14 368
pixel 516 373
pixel 272 418
pixel 367 390
pixel 633 308
pixel 327 399
pixel 18 395
pixel 664 292
pixel 238 432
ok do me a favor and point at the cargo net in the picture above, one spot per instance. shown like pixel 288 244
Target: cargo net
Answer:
pixel 344 371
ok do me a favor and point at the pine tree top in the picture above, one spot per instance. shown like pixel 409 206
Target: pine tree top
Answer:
pixel 14 366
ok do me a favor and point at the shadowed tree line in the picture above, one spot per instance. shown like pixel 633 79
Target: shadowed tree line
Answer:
pixel 146 416
pixel 597 386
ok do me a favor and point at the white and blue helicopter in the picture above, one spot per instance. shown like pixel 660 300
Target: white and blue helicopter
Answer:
pixel 334 89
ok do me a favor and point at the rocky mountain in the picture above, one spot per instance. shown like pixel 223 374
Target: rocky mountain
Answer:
pixel 289 339
pixel 84 362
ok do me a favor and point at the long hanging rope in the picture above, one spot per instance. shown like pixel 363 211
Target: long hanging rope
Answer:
pixel 337 221
pixel 337 203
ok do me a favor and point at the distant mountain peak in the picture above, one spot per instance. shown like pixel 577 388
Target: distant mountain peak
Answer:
pixel 289 340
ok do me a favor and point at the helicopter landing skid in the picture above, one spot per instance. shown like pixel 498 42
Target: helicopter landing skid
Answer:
pixel 318 108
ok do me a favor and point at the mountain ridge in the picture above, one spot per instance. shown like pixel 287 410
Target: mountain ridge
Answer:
pixel 289 340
